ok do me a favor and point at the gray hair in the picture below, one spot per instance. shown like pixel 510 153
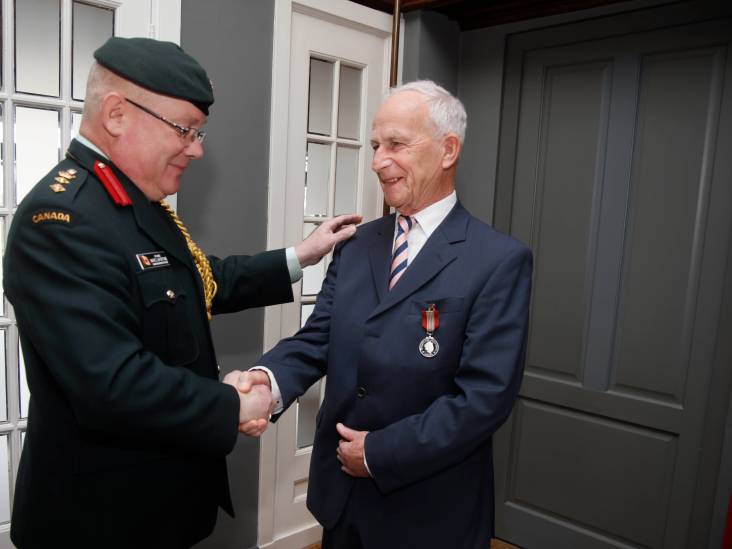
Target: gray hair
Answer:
pixel 446 111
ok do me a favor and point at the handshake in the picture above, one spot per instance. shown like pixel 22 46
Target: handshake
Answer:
pixel 255 400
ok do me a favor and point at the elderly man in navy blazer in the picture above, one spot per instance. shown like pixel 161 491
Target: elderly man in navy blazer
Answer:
pixel 420 327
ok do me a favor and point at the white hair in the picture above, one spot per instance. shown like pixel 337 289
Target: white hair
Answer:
pixel 446 111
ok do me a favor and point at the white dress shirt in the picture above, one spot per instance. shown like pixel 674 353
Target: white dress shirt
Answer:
pixel 427 221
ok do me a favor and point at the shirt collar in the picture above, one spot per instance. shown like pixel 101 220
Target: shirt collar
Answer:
pixel 84 141
pixel 430 217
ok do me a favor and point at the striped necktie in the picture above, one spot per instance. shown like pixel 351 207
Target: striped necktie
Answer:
pixel 401 253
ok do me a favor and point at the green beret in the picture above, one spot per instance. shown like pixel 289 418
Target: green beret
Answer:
pixel 162 67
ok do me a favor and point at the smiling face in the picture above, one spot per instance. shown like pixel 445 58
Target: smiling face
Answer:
pixel 150 152
pixel 415 167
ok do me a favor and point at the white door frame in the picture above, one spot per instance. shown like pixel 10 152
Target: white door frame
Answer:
pixel 343 13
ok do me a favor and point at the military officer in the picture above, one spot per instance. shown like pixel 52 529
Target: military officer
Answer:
pixel 128 425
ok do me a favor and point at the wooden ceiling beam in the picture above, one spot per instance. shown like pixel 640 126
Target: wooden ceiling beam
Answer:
pixel 410 5
pixel 407 5
pixel 474 14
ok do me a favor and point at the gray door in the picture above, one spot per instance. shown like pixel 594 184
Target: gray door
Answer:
pixel 616 167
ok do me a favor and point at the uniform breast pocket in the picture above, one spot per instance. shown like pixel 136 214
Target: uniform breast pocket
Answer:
pixel 166 321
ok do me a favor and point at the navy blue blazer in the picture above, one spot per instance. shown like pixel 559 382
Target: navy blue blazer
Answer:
pixel 430 420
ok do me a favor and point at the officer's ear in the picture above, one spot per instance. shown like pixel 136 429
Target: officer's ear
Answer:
pixel 113 113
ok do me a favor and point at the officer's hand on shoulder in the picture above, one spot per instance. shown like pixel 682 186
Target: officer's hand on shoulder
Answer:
pixel 327 235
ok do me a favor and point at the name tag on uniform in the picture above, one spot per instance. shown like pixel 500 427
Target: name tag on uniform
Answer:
pixel 152 260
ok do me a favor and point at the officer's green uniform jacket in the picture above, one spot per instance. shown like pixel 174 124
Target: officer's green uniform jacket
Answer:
pixel 128 426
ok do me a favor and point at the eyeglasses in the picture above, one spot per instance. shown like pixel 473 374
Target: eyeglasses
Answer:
pixel 187 134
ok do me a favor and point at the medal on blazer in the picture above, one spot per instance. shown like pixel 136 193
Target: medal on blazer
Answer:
pixel 429 347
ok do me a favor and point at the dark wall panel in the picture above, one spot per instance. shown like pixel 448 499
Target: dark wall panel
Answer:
pixel 561 187
pixel 556 476
pixel 664 233
pixel 431 49
pixel 224 198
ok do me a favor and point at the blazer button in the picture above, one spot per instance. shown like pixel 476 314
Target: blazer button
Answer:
pixel 361 392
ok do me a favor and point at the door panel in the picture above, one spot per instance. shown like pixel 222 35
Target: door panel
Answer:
pixel 638 461
pixel 662 253
pixel 321 50
pixel 613 168
pixel 336 74
pixel 566 162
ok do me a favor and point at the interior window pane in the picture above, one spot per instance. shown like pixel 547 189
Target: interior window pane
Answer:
pixel 306 310
pixel 320 98
pixel 92 27
pixel 37 46
pixel 2 46
pixel 4 481
pixel 75 123
pixel 346 181
pixel 2 156
pixel 24 392
pixel 37 138
pixel 349 103
pixel 307 410
pixel 317 172
pixel 308 404
pixel 312 277
pixel 308 228
pixel 3 377
pixel 2 251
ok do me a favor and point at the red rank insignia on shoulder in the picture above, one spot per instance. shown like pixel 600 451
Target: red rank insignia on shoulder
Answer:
pixel 112 184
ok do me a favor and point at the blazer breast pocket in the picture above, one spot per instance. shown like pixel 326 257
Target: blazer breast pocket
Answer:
pixel 443 354
pixel 166 321
pixel 442 305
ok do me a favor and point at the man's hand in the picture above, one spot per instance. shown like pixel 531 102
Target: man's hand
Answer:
pixel 350 451
pixel 255 403
pixel 246 380
pixel 327 235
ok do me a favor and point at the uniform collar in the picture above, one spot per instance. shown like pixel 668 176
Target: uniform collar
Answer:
pixel 87 143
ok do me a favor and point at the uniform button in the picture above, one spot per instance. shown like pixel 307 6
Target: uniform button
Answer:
pixel 361 392
pixel 170 294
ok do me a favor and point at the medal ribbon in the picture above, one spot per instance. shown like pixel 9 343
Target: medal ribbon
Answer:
pixel 430 319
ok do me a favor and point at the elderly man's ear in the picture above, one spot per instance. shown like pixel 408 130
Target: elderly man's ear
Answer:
pixel 451 148
pixel 113 113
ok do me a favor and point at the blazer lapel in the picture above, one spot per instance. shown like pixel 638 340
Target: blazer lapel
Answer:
pixel 380 254
pixel 436 254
